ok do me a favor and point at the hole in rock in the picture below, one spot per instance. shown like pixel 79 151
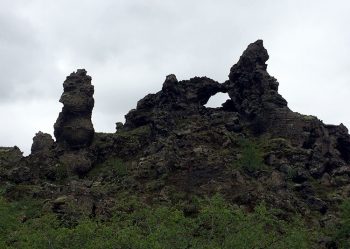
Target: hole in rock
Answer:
pixel 217 100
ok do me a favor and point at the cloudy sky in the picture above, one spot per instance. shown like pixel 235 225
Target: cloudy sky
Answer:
pixel 129 46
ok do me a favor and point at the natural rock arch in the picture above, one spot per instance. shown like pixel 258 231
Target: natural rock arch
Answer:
pixel 217 100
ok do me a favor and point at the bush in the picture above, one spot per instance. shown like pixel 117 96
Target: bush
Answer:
pixel 251 160
pixel 136 226
pixel 342 234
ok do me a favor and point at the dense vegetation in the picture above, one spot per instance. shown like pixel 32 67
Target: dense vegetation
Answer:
pixel 342 232
pixel 213 224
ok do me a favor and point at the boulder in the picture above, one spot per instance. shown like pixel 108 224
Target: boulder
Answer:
pixel 42 142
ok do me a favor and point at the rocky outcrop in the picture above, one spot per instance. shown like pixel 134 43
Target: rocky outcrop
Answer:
pixel 73 127
pixel 254 103
pixel 177 99
pixel 12 165
pixel 251 89
pixel 10 156
pixel 198 143
pixel 173 130
pixel 252 149
pixel 42 142
pixel 74 133
pixel 253 94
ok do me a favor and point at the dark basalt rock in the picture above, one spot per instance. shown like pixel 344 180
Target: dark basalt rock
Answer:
pixel 19 174
pixel 77 162
pixel 73 127
pixel 251 89
pixel 253 92
pixel 171 143
pixel 10 159
pixel 254 98
pixel 187 137
pixel 42 142
pixel 176 99
pixel 10 156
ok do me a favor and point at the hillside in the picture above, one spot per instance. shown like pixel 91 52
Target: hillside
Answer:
pixel 176 174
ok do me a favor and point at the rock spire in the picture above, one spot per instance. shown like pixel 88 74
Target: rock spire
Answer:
pixel 73 127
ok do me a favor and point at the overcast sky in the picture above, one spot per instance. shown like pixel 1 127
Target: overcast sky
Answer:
pixel 129 46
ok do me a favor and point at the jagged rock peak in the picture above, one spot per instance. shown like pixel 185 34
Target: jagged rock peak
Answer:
pixel 73 126
pixel 250 87
pixel 254 57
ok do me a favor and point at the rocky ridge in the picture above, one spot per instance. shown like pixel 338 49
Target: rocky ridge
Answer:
pixel 171 146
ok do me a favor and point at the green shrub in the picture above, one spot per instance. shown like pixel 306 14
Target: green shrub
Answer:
pixel 251 160
pixel 138 226
pixel 342 234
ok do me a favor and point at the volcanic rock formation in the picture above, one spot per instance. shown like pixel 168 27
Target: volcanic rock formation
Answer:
pixel 188 139
pixel 73 127
pixel 172 145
